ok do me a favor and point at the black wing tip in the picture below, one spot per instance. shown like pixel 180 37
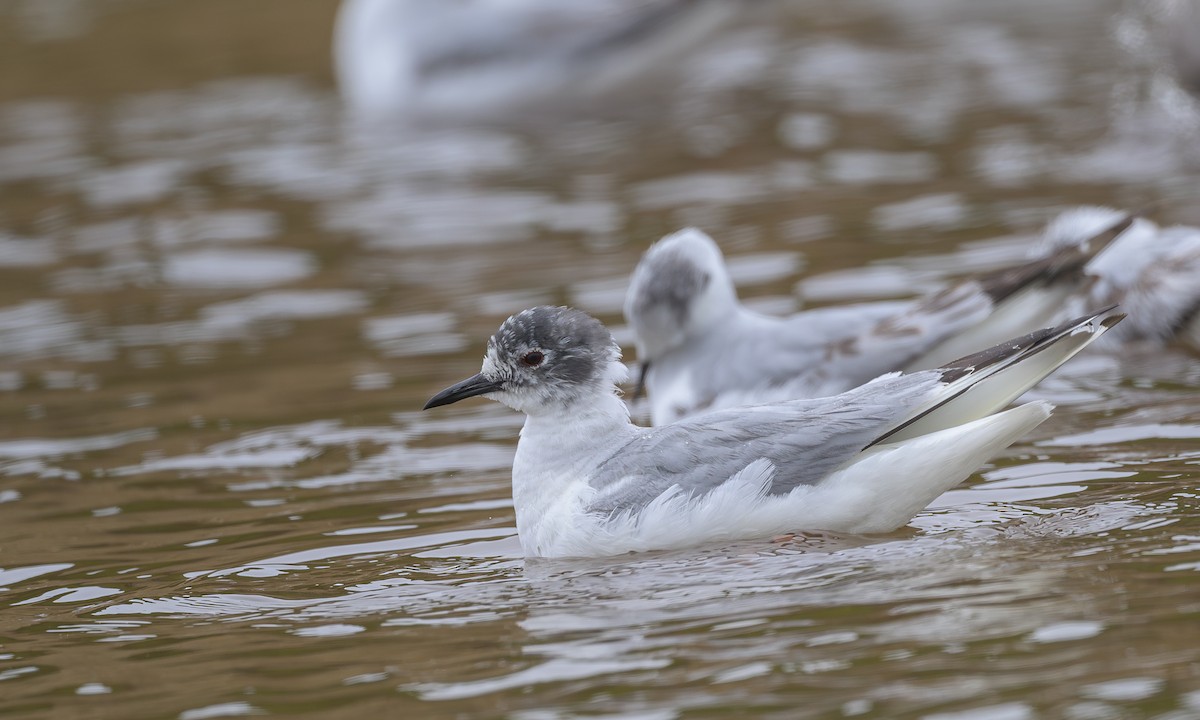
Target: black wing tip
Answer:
pixel 1020 348
pixel 1097 314
pixel 1112 320
pixel 1066 261
pixel 960 368
pixel 1104 317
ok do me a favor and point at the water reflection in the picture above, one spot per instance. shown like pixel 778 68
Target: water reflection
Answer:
pixel 616 618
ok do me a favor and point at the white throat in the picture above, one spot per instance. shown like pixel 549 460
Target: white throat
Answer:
pixel 555 455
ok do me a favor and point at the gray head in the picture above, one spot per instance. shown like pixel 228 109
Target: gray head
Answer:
pixel 541 360
pixel 679 290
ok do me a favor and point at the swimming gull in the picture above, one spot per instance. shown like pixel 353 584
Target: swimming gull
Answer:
pixel 588 482
pixel 700 349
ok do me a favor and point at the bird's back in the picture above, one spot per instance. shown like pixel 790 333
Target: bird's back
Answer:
pixel 803 440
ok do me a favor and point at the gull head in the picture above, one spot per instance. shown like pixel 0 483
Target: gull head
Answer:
pixel 680 289
pixel 544 360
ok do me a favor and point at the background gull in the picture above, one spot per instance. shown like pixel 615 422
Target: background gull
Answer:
pixel 700 348
pixel 486 58
pixel 1152 271
pixel 1183 43
pixel 586 481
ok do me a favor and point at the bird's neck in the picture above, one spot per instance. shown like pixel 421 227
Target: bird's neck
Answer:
pixel 556 455
pixel 579 429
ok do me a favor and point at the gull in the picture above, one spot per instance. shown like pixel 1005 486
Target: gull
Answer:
pixel 1153 272
pixel 1183 42
pixel 586 481
pixel 468 59
pixel 700 349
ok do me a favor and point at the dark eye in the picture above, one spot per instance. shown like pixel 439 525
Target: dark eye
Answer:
pixel 533 358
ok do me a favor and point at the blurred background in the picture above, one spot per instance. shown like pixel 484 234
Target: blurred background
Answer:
pixel 224 295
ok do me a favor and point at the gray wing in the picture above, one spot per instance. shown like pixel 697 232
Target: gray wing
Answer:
pixel 884 337
pixel 804 440
pixel 761 358
pixel 897 340
pixel 549 31
pixel 893 341
pixel 822 352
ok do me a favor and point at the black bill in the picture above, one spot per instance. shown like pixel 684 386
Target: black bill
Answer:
pixel 472 386
pixel 640 389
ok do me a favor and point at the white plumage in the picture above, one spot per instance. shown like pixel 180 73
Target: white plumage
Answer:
pixel 463 60
pixel 701 349
pixel 1152 271
pixel 586 481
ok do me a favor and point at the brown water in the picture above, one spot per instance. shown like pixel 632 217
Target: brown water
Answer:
pixel 220 313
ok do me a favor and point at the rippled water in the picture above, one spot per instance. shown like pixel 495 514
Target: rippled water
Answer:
pixel 221 306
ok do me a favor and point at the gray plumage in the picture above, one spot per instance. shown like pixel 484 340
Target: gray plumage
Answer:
pixel 576 347
pixel 701 349
pixel 804 439
pixel 544 34
pixel 586 481
pixel 471 60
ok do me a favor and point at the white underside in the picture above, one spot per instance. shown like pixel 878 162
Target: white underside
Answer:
pixel 879 491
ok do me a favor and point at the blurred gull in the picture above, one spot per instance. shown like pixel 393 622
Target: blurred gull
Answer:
pixel 1152 271
pixel 1183 41
pixel 468 59
pixel 588 482
pixel 701 349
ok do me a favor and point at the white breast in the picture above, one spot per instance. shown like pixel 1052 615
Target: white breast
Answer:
pixel 879 491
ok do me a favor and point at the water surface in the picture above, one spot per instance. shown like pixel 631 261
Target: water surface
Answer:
pixel 221 307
